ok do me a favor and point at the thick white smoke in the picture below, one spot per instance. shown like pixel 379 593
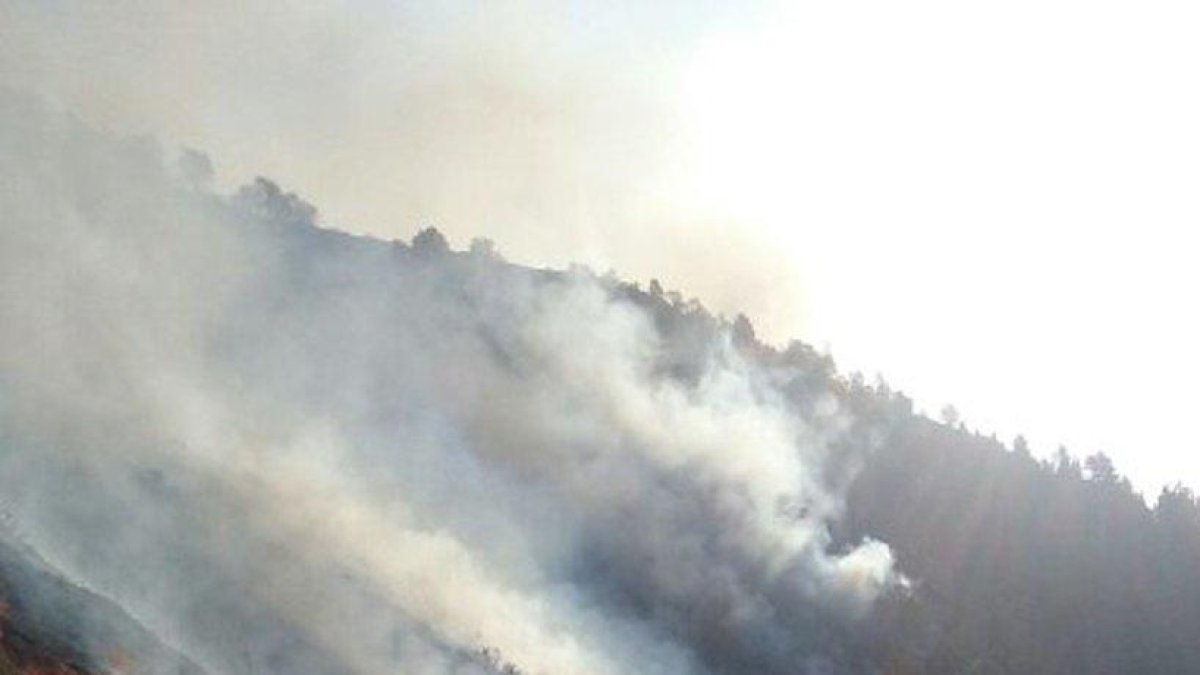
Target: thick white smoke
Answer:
pixel 289 450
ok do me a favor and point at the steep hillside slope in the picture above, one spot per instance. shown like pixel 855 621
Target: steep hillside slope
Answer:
pixel 291 450
pixel 49 625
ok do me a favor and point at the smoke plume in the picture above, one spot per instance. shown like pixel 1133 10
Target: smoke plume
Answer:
pixel 288 450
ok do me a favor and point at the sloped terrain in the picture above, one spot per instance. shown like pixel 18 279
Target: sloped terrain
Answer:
pixel 291 450
pixel 49 625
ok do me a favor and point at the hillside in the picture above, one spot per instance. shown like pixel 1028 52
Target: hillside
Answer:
pixel 292 450
pixel 49 625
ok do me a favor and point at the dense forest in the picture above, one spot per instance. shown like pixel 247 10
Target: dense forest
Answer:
pixel 1017 564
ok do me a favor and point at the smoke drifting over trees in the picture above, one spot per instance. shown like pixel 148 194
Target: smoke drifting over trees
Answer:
pixel 289 450
pixel 283 449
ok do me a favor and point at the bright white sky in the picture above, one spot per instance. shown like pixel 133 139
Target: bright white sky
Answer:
pixel 992 204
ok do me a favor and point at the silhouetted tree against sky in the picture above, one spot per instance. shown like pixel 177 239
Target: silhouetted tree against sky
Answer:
pixel 1066 465
pixel 429 242
pixel 1100 468
pixel 1021 446
pixel 950 416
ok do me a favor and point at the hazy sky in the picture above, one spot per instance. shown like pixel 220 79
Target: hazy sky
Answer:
pixel 992 204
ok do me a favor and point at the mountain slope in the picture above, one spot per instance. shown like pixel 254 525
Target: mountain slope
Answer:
pixel 50 625
pixel 292 450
